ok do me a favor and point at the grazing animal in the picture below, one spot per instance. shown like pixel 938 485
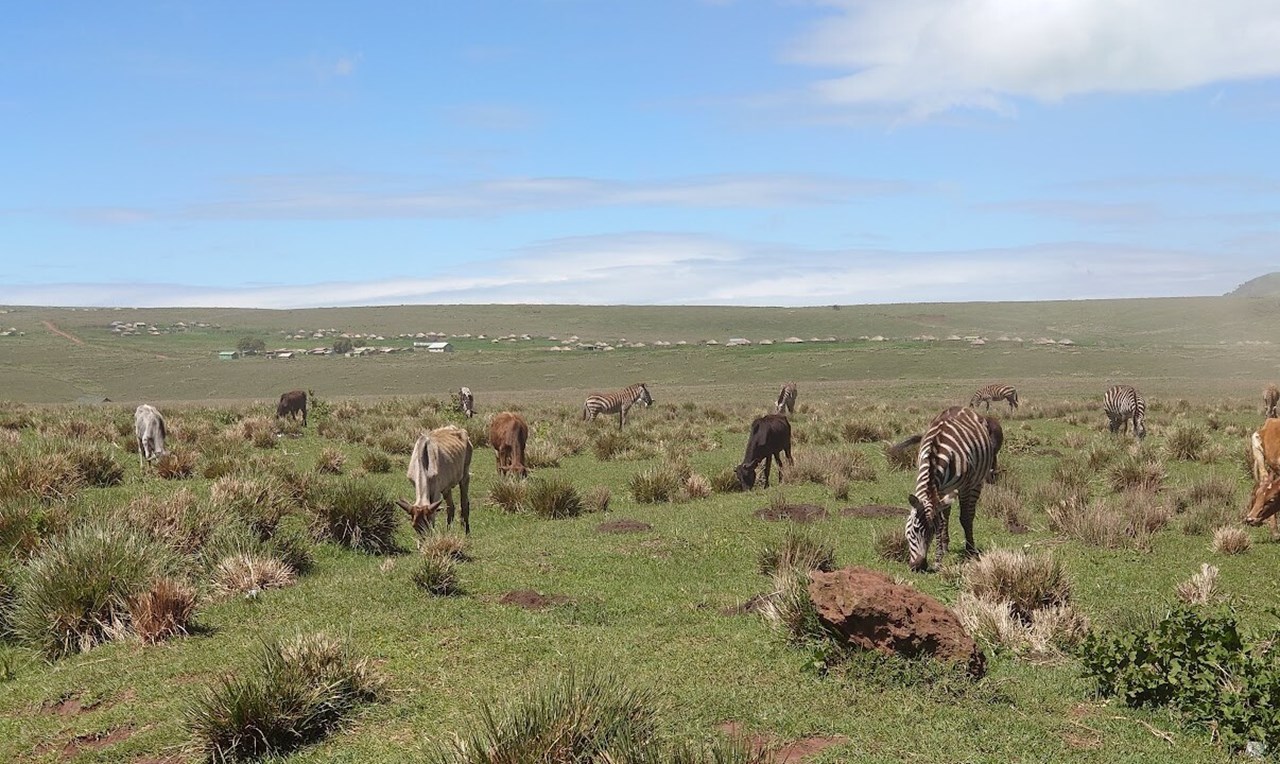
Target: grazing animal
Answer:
pixel 616 402
pixel 786 399
pixel 995 392
pixel 441 459
pixel 1122 404
pixel 1270 400
pixel 508 433
pixel 770 436
pixel 1265 502
pixel 466 402
pixel 292 404
pixel 957 455
pixel 148 424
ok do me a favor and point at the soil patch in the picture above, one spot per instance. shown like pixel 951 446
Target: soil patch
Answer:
pixel 799 513
pixel 531 600
pixel 95 741
pixel 53 328
pixel 792 752
pixel 71 705
pixel 623 526
pixel 874 510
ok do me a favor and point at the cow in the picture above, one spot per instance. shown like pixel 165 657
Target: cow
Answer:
pixel 770 437
pixel 1271 400
pixel 1265 502
pixel 148 424
pixel 466 402
pixel 508 433
pixel 291 404
pixel 441 460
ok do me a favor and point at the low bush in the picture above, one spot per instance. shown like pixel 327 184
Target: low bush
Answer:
pixel 356 512
pixel 554 498
pixel 296 692
pixel 509 493
pixel 656 485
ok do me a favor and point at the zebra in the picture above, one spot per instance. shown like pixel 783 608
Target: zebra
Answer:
pixel 1270 400
pixel 1123 403
pixel 617 401
pixel 786 399
pixel 957 455
pixel 995 392
pixel 466 402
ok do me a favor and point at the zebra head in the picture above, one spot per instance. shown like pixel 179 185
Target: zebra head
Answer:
pixel 643 396
pixel 921 526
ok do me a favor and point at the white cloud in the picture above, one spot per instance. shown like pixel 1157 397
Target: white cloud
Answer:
pixel 928 56
pixel 650 268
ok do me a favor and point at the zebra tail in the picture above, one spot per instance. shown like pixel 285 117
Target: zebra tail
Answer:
pixel 911 441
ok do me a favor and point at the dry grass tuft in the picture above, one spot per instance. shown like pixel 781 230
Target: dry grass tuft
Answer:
pixel 1202 588
pixel 331 461
pixel 509 493
pixel 447 545
pixel 176 465
pixel 1231 539
pixel 797 550
pixel 166 610
pixel 697 486
pixel 1027 582
pixel 597 498
pixel 249 574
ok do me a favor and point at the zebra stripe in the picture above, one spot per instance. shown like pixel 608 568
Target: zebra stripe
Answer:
pixel 1270 400
pixel 995 392
pixel 957 455
pixel 1123 404
pixel 617 402
pixel 786 399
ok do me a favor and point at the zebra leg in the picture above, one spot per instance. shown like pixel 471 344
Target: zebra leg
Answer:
pixel 944 535
pixel 968 508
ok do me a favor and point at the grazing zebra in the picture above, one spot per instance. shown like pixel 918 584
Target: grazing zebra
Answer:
pixel 1270 399
pixel 995 392
pixel 957 455
pixel 617 402
pixel 786 399
pixel 1121 404
pixel 466 402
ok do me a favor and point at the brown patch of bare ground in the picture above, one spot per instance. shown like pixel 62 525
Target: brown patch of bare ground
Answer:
pixel 792 752
pixel 623 526
pixel 796 513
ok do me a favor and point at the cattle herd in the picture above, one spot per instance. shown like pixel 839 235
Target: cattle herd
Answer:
pixel 956 455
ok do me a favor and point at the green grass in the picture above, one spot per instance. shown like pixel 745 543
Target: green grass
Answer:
pixel 649 606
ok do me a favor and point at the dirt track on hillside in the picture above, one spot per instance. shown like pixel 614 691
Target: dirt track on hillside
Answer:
pixel 51 327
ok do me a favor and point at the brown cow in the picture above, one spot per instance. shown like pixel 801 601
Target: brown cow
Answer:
pixel 1270 399
pixel 291 404
pixel 508 433
pixel 1266 473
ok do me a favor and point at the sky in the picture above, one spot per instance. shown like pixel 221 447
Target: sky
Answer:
pixel 749 152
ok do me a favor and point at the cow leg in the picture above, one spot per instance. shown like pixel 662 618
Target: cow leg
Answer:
pixel 777 457
pixel 464 488
pixel 766 472
pixel 448 500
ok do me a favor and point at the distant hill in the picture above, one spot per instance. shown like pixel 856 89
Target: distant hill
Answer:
pixel 1263 286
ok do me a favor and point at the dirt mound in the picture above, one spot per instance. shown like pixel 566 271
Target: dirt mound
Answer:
pixel 874 510
pixel 793 752
pixel 95 741
pixel 799 513
pixel 531 600
pixel 867 609
pixel 623 526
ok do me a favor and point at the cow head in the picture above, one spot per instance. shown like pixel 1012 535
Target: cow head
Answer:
pixel 421 517
pixel 1266 499
pixel 746 476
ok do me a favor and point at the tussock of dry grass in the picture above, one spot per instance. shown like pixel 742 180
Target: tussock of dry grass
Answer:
pixel 166 610
pixel 1136 472
pixel 1028 582
pixel 508 493
pixel 249 574
pixel 1202 588
pixel 797 549
pixel 890 545
pixel 331 461
pixel 597 498
pixel 1231 539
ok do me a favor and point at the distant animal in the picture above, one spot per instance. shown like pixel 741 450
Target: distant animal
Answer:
pixel 957 456
pixel 508 433
pixel 292 404
pixel 466 402
pixel 440 461
pixel 1265 502
pixel 148 424
pixel 786 399
pixel 770 437
pixel 1270 400
pixel 995 392
pixel 1123 404
pixel 616 402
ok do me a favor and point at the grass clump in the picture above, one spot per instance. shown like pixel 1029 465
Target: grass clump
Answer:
pixel 1028 582
pixel 95 465
pixel 554 498
pixel 295 693
pixel 357 513
pixel 377 462
pixel 331 461
pixel 1186 442
pixel 436 573
pixel 890 545
pixel 1231 539
pixel 1136 472
pixel 725 481
pixel 509 493
pixel 790 609
pixel 176 465
pixel 597 498
pixel 249 573
pixel 258 501
pixel 48 476
pixel 799 550
pixel 656 485
pixel 1202 588
pixel 76 592
pixel 165 610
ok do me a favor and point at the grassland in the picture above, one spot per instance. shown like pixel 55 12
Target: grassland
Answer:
pixel 652 606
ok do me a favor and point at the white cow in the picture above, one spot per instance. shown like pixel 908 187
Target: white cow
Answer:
pixel 441 460
pixel 149 426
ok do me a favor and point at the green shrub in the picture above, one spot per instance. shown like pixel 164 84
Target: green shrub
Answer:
pixel 295 693
pixel 76 591
pixel 1186 442
pixel 436 573
pixel 509 493
pixel 1197 663
pixel 655 485
pixel 553 497
pixel 358 513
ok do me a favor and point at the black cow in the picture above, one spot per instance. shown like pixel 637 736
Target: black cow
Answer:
pixel 770 436
pixel 293 403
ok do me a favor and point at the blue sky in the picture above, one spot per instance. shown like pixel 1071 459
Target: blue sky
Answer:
pixel 294 154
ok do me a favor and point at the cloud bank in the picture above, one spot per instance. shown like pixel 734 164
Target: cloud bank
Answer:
pixel 928 56
pixel 674 269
